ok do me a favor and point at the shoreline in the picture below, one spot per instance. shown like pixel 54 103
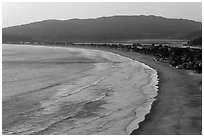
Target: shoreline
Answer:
pixel 178 106
pixel 128 73
pixel 154 81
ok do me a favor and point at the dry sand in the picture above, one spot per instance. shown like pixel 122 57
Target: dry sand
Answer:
pixel 178 109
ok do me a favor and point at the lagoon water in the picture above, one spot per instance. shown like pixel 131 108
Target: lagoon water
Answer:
pixel 55 90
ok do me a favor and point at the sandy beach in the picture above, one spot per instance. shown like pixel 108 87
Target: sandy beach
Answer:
pixel 178 108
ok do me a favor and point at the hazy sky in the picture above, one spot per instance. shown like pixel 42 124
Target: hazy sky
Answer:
pixel 22 13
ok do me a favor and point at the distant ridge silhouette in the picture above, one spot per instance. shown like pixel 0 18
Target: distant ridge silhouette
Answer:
pixel 103 29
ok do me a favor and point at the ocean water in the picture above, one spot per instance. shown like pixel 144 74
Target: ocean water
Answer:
pixel 50 90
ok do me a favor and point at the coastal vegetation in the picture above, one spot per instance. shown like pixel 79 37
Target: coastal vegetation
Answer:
pixel 195 42
pixel 179 57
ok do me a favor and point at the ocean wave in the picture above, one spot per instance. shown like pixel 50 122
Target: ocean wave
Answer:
pixel 113 97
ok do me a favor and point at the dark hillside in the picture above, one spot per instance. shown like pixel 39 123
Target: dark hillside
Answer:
pixel 104 28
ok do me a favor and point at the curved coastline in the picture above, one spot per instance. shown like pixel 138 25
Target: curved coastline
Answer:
pixel 149 89
pixel 142 111
pixel 172 112
pixel 178 106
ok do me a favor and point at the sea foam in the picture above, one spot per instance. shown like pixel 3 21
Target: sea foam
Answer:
pixel 111 98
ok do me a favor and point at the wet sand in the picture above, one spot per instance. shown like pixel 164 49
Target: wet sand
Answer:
pixel 178 108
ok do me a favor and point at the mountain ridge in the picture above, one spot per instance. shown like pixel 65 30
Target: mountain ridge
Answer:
pixel 102 17
pixel 103 28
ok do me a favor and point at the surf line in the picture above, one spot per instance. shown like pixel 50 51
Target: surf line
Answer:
pixel 140 112
pixel 153 83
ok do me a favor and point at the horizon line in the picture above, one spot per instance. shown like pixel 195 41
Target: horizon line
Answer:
pixel 119 15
